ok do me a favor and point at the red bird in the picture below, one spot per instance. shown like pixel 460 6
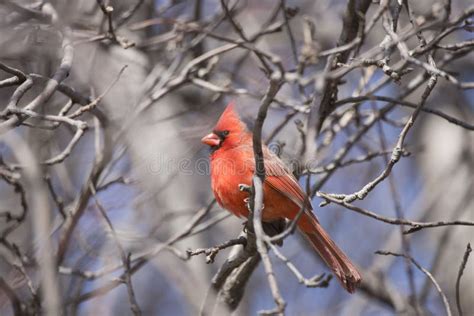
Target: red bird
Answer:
pixel 232 163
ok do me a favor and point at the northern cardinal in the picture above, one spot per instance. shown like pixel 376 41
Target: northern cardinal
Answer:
pixel 232 163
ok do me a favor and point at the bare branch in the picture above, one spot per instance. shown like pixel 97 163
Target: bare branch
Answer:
pixel 416 226
pixel 458 279
pixel 426 272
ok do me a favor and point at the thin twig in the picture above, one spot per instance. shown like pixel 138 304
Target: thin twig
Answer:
pixel 397 150
pixel 458 279
pixel 416 226
pixel 124 256
pixel 212 252
pixel 426 272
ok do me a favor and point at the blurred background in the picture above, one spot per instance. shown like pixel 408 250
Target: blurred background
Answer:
pixel 102 173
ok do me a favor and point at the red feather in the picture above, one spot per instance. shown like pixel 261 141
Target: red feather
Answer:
pixel 232 163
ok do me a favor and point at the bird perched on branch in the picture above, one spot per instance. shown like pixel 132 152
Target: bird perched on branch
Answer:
pixel 233 164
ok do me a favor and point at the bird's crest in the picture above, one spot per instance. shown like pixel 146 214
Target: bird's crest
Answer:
pixel 230 120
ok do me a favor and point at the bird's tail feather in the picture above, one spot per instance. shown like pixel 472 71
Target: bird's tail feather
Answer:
pixel 334 257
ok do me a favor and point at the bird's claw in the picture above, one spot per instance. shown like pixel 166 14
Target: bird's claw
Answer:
pixel 245 226
pixel 247 202
pixel 245 188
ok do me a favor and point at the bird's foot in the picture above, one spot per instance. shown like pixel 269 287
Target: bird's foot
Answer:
pixel 245 226
pixel 245 188
pixel 247 203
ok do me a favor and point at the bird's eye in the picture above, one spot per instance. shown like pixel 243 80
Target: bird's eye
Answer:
pixel 225 133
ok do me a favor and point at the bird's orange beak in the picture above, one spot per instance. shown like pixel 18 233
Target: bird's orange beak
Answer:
pixel 211 140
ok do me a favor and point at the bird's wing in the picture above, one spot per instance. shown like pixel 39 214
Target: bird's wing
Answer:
pixel 279 178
